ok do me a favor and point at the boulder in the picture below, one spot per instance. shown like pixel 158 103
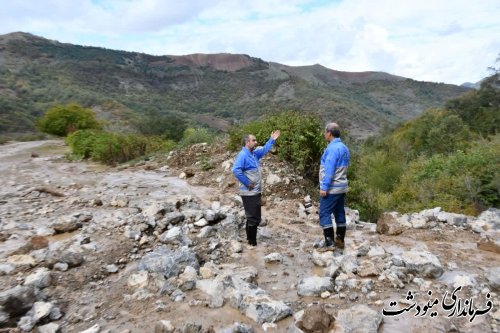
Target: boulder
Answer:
pixel 422 263
pixel 388 224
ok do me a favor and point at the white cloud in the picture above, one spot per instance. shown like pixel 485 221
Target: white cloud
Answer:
pixel 441 40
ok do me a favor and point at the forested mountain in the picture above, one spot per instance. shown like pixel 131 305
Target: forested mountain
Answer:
pixel 213 89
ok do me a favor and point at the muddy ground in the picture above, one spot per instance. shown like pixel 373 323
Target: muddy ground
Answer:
pixel 39 185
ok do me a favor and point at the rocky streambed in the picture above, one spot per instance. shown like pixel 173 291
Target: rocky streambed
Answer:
pixel 138 248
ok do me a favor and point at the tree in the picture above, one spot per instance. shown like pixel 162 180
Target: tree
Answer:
pixel 167 125
pixel 62 120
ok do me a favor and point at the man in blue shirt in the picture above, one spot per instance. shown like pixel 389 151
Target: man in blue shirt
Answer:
pixel 332 187
pixel 247 170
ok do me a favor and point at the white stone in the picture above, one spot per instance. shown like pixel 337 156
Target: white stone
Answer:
pixel 206 272
pixel 272 179
pixel 21 259
pixel 273 257
pixel 49 328
pixel 138 280
pixel 376 251
pixel 94 329
pixel 40 278
pixel 41 310
pixel 164 326
pixel 325 294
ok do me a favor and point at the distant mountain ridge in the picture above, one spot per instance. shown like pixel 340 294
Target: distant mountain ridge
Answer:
pixel 214 89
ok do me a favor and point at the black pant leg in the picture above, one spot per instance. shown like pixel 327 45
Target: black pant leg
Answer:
pixel 252 205
pixel 252 235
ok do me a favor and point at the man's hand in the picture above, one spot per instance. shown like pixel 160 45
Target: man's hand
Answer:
pixel 323 193
pixel 275 134
pixel 251 186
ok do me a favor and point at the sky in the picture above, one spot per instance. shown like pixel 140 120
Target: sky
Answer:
pixel 450 41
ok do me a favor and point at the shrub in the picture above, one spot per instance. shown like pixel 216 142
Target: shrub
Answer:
pixel 167 125
pixel 196 135
pixel 436 131
pixel 301 141
pixel 465 182
pixel 62 120
pixel 112 148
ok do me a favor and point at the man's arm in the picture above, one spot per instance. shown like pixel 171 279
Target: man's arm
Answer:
pixel 330 167
pixel 239 164
pixel 259 153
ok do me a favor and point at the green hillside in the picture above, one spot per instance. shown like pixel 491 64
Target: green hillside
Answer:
pixel 447 157
pixel 217 90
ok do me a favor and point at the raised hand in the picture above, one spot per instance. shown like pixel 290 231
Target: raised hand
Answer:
pixel 275 134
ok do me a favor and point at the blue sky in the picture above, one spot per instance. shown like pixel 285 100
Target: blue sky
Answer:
pixel 451 41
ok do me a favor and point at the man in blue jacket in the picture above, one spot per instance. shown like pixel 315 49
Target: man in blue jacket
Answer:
pixel 332 188
pixel 247 170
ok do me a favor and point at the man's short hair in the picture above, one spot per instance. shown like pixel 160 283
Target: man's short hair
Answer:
pixel 246 138
pixel 334 129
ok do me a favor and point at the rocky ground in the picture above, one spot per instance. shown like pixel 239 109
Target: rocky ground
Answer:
pixel 158 246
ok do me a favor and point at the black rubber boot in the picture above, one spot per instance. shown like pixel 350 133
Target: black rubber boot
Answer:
pixel 252 235
pixel 328 245
pixel 339 241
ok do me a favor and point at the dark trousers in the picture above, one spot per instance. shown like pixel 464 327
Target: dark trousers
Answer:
pixel 252 205
pixel 332 204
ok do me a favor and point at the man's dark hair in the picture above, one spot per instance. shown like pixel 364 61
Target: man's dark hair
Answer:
pixel 246 138
pixel 334 129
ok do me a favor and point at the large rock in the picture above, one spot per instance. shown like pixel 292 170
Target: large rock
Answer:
pixel 491 218
pixel 314 286
pixel 388 224
pixel 458 220
pixel 422 263
pixel 263 309
pixel 493 277
pixel 73 259
pixel 66 224
pixel 315 320
pixel 228 228
pixel 167 262
pixel 40 278
pixel 18 300
pixel 368 268
pixel 237 286
pixel 175 235
pixel 323 259
pixel 359 318
pixel 490 241
pixel 157 210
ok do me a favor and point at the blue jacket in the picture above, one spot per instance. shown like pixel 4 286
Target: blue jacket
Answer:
pixel 247 168
pixel 333 168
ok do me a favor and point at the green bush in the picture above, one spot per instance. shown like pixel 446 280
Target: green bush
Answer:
pixel 436 131
pixel 62 120
pixel 465 182
pixel 196 135
pixel 480 109
pixel 169 126
pixel 205 163
pixel 301 141
pixel 112 148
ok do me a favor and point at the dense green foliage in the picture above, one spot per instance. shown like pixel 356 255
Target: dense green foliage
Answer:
pixel 465 181
pixel 62 120
pixel 197 135
pixel 112 148
pixel 480 108
pixel 301 141
pixel 446 157
pixel 168 126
